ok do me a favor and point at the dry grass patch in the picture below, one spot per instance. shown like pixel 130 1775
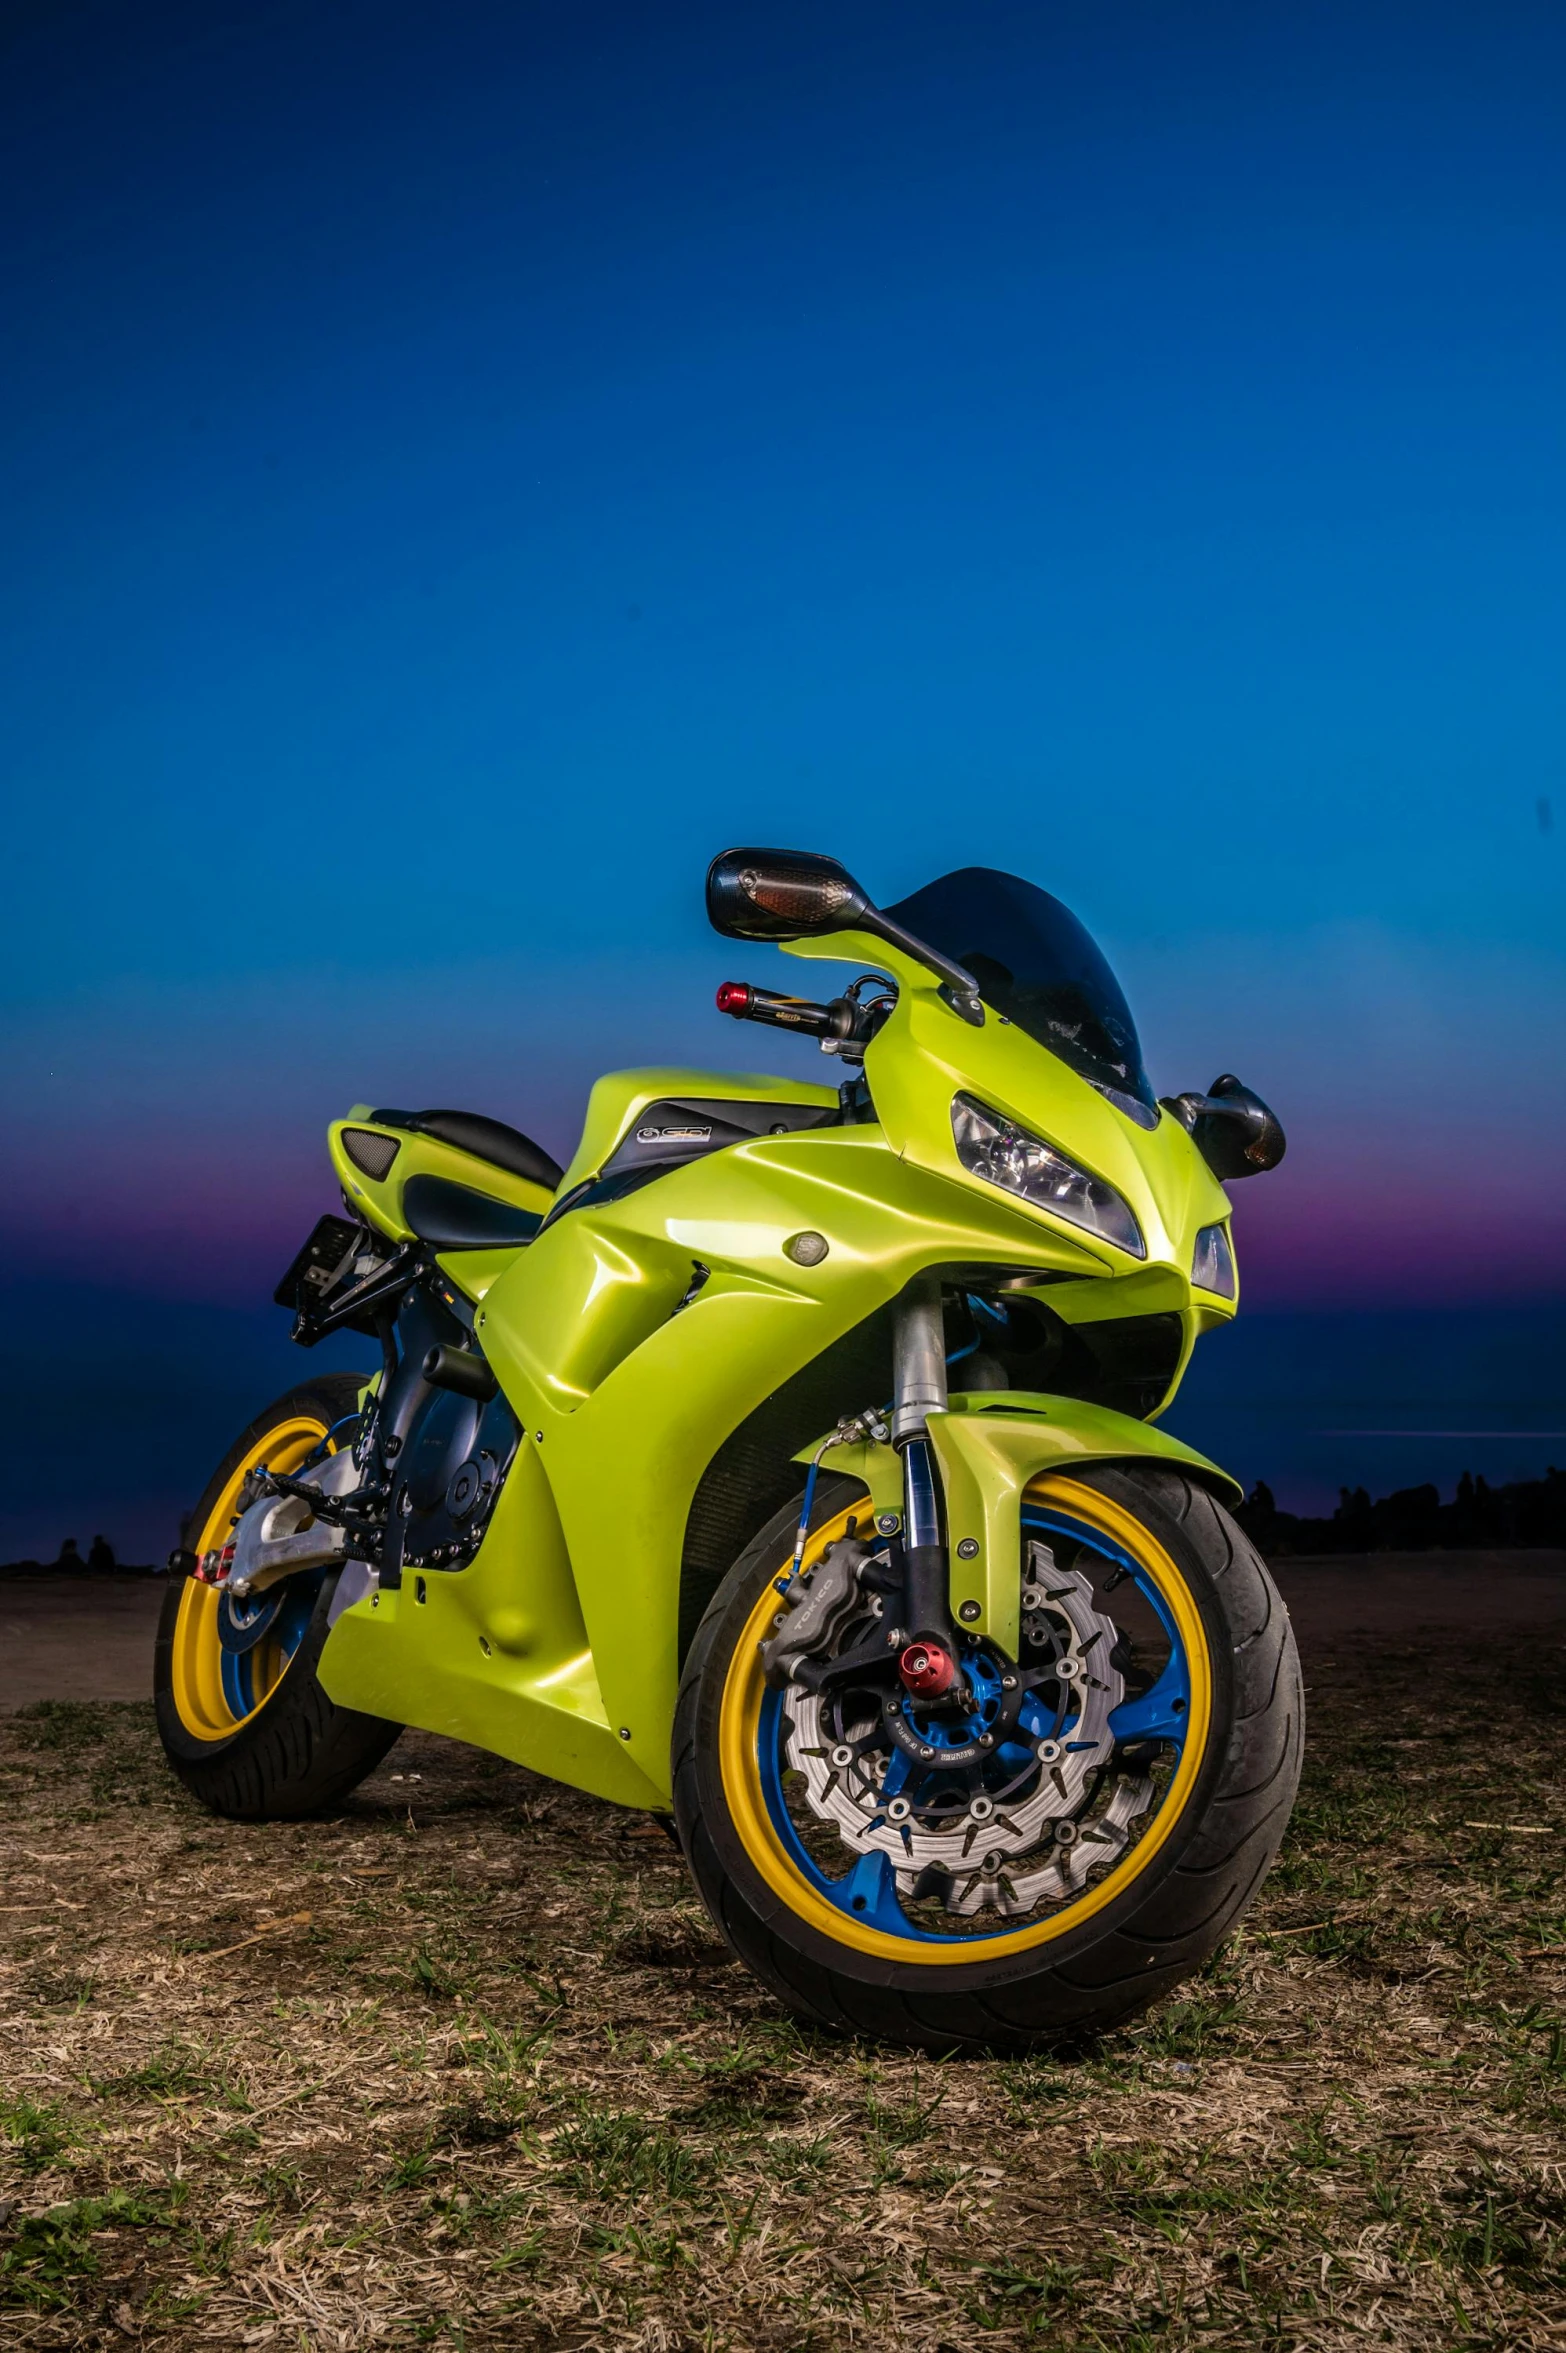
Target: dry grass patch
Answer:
pixel 464 2066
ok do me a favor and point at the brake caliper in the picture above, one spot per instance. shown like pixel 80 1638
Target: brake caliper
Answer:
pixel 815 1609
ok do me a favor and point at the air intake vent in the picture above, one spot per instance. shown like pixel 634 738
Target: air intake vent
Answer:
pixel 373 1153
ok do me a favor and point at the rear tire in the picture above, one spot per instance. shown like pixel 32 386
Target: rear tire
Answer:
pixel 1079 1977
pixel 290 1751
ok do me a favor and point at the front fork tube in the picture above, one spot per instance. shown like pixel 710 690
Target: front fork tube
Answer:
pixel 926 1585
pixel 919 1366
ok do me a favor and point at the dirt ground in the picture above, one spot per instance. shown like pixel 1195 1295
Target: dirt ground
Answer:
pixel 77 1637
pixel 463 2065
pixel 91 1637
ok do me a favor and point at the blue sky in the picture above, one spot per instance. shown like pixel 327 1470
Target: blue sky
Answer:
pixel 464 467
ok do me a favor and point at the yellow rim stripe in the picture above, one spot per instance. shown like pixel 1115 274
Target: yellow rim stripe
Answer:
pixel 739 1726
pixel 196 1655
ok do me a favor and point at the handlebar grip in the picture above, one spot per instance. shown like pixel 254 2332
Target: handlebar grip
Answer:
pixel 743 1003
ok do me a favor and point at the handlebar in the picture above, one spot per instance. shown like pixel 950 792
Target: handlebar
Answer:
pixel 844 1027
pixel 743 1003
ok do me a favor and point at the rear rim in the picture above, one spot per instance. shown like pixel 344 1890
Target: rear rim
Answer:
pixel 862 1832
pixel 227 1658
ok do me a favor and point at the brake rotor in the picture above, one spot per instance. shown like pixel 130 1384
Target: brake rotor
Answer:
pixel 990 1807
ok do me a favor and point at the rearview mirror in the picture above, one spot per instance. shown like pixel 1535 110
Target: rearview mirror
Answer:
pixel 1234 1130
pixel 796 895
pixel 781 895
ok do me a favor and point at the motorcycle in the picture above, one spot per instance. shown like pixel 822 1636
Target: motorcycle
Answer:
pixel 789 1465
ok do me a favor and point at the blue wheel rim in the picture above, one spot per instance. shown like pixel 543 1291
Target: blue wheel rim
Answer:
pixel 287 1631
pixel 867 1890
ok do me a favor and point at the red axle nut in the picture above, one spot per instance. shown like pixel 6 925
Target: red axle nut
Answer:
pixel 927 1669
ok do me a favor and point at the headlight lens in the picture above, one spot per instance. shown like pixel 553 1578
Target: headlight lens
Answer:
pixel 1212 1263
pixel 1007 1155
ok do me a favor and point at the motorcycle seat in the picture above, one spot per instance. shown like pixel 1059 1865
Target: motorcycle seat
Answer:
pixel 459 1217
pixel 486 1139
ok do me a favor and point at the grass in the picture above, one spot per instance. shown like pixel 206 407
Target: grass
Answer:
pixel 630 2158
pixel 502 2087
pixel 37 2135
pixel 54 2251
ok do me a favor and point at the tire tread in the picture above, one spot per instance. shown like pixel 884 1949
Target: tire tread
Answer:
pixel 1251 1771
pixel 300 1753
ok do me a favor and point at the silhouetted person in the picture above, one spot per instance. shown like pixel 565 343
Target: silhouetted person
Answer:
pixel 70 1560
pixel 100 1557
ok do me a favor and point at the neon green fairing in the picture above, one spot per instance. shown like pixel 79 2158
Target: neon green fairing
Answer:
pixel 381 1203
pixel 497 1656
pixel 558 1646
pixel 990 1446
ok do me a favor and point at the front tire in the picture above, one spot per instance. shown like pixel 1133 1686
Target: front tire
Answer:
pixel 251 1733
pixel 848 1943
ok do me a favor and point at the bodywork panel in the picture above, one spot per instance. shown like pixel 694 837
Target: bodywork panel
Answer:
pixel 635 1335
pixel 990 1447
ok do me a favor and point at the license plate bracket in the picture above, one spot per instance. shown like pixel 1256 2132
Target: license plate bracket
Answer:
pixel 329 1251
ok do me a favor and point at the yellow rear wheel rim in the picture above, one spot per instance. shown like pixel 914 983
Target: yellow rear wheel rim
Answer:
pixel 738 1748
pixel 196 1655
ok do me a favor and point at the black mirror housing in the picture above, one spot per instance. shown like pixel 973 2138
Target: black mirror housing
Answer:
pixel 796 895
pixel 781 895
pixel 1236 1133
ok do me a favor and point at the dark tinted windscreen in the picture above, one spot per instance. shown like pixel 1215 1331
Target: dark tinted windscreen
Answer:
pixel 1034 962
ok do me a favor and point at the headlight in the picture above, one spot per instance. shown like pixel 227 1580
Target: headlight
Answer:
pixel 1006 1155
pixel 1212 1262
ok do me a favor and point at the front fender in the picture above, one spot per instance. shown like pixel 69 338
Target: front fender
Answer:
pixel 990 1446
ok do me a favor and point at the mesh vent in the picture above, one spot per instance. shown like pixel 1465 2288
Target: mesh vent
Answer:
pixel 373 1153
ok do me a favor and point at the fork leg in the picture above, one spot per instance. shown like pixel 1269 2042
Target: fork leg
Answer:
pixel 919 1362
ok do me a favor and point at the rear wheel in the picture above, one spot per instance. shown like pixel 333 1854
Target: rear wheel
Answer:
pixel 243 1718
pixel 1042 1860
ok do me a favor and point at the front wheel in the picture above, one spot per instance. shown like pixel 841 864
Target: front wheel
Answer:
pixel 1046 1855
pixel 243 1718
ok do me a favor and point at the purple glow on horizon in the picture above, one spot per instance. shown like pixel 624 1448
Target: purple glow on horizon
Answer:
pixel 212 1209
